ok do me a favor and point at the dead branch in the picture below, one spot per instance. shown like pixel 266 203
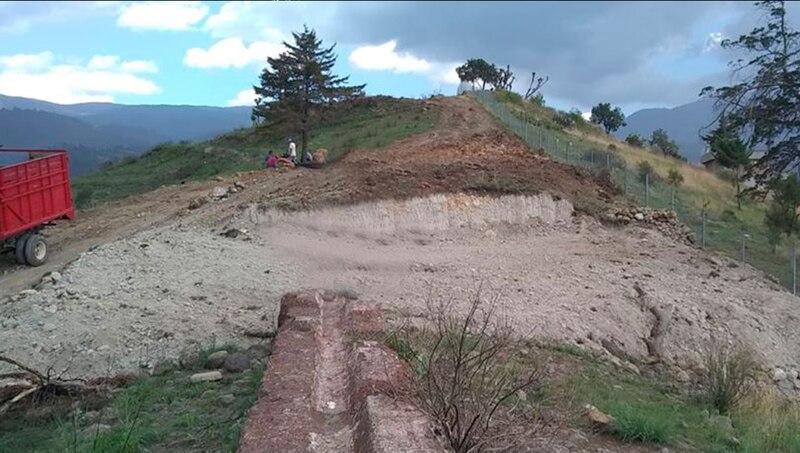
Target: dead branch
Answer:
pixel 535 85
pixel 38 385
pixel 23 367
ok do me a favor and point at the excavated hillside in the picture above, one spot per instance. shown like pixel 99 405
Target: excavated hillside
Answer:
pixel 463 206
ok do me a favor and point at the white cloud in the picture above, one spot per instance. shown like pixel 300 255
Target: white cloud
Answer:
pixel 22 62
pixel 586 116
pixel 383 57
pixel 445 73
pixel 250 20
pixel 162 15
pixel 713 42
pixel 103 61
pixel 231 52
pixel 139 66
pixel 245 97
pixel 35 76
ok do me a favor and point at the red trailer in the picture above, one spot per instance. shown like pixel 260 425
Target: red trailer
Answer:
pixel 33 193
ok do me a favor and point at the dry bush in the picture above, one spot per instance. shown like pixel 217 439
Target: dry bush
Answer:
pixel 470 380
pixel 730 378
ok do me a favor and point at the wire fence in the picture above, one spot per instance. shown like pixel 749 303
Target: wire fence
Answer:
pixel 725 233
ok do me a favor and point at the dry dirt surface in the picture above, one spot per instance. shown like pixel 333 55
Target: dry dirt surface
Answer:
pixel 162 278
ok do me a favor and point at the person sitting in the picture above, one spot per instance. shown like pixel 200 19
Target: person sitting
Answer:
pixel 307 161
pixel 272 160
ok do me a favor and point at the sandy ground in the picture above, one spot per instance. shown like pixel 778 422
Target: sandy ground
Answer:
pixel 133 302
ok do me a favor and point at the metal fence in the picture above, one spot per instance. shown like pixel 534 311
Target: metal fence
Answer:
pixel 724 233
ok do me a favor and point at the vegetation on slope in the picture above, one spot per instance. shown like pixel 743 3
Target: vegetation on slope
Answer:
pixel 700 189
pixel 367 123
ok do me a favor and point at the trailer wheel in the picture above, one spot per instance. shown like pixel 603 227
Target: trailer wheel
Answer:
pixel 35 250
pixel 20 248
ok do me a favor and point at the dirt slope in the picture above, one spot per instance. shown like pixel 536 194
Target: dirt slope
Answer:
pixel 466 152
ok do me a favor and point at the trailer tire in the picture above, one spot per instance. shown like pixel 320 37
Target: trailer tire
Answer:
pixel 20 248
pixel 35 250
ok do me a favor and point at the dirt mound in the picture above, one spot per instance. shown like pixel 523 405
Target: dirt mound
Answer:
pixel 487 163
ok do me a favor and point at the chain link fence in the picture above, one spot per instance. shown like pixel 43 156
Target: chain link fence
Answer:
pixel 725 233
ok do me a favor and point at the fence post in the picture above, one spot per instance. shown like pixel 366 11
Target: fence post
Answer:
pixel 625 182
pixel 703 228
pixel 744 238
pixel 647 189
pixel 672 199
pixel 527 136
pixel 794 270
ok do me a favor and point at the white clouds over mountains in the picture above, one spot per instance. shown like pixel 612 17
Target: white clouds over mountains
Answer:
pixel 41 76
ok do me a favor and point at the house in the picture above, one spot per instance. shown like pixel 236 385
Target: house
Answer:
pixel 710 163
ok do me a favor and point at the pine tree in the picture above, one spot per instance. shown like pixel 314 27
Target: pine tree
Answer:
pixel 730 152
pixel 299 82
pixel 764 106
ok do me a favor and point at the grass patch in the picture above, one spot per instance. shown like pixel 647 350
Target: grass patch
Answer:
pixel 165 413
pixel 372 123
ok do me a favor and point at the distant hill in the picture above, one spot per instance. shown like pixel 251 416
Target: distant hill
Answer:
pixel 682 123
pixel 95 133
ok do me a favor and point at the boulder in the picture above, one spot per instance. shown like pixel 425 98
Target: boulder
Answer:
pixel 216 360
pixel 197 202
pixel 163 367
pixel 597 417
pixel 219 193
pixel 208 376
pixel 778 375
pixel 55 277
pixel 226 399
pixel 237 362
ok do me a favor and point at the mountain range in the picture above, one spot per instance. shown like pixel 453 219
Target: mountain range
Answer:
pixel 95 133
pixel 684 124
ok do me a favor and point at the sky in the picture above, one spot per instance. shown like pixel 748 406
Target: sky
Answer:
pixel 632 54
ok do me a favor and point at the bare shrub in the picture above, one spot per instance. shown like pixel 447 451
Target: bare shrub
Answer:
pixel 730 376
pixel 470 380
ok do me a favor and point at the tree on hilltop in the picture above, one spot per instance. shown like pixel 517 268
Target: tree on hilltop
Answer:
pixel 299 82
pixel 610 119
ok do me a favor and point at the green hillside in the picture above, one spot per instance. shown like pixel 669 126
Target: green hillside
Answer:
pixel 370 123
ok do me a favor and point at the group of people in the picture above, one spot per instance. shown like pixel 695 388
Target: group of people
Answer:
pixel 290 158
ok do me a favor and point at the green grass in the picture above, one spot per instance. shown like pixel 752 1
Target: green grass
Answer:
pixel 165 413
pixel 371 124
pixel 649 411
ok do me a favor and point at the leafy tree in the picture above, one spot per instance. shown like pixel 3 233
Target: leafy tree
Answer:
pixel 782 213
pixel 646 172
pixel 477 69
pixel 299 82
pixel 610 119
pixel 661 141
pixel 674 177
pixel 730 152
pixel 636 140
pixel 765 104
